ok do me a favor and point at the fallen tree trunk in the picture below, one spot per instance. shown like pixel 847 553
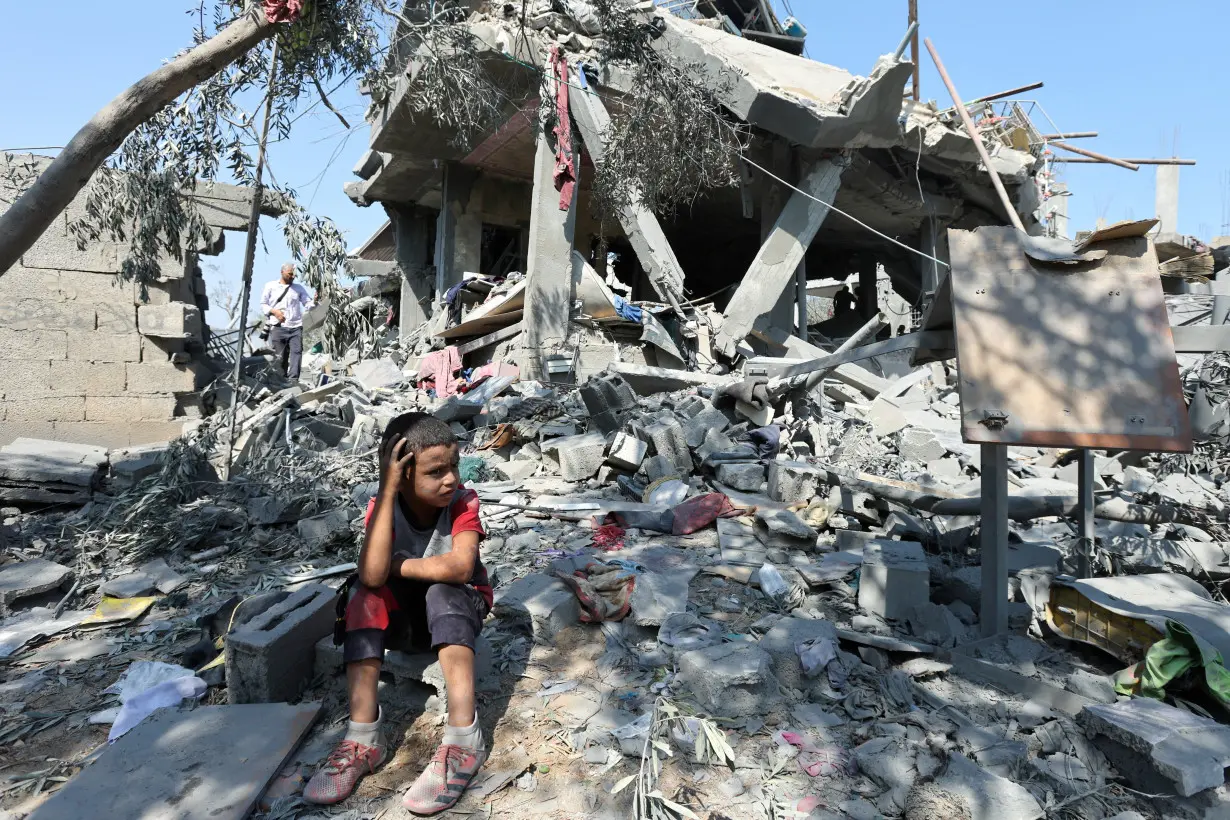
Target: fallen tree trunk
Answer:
pixel 35 210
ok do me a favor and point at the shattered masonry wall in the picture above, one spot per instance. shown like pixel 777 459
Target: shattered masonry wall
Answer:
pixel 76 363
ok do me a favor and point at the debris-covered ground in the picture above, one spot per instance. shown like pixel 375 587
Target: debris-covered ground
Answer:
pixel 801 638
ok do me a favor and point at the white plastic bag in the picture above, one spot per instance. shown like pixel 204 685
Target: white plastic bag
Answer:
pixel 771 581
pixel 138 707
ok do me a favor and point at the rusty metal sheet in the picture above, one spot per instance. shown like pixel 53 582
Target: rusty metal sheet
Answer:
pixel 1064 356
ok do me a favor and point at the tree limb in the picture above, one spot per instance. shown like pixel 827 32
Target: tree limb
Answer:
pixel 325 99
pixel 37 208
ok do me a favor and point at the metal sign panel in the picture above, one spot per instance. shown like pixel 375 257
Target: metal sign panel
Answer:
pixel 1075 355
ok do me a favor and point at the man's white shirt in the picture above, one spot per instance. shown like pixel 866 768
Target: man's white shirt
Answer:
pixel 294 304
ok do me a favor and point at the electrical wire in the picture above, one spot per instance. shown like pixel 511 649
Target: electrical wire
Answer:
pixel 853 219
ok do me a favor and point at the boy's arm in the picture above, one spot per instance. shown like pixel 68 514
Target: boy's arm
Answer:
pixel 376 557
pixel 457 565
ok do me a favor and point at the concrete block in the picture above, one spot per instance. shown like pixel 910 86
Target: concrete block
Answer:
pixel 730 680
pixel 376 373
pixel 64 408
pixel 658 594
pixel 161 378
pixel 1098 688
pixel 116 318
pixel 176 320
pixel 543 604
pixel 697 428
pixel 93 346
pixel 894 578
pixel 744 476
pixel 56 250
pixel 162 408
pixel 606 398
pixel 46 314
pixel 787 524
pixel 1147 739
pixel 112 408
pixel 795 481
pixel 626 452
pixel 715 442
pixel 26 578
pixel 18 345
pixel 920 446
pixel 323 529
pixel 937 625
pixel 132 464
pixel 579 456
pixel 667 438
pixel 781 643
pixel 271 657
pixel 886 417
pixel 656 467
pixel 29 379
pixel 70 378
pixel 457 409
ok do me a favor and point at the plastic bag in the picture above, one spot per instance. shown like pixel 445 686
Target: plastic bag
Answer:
pixel 815 655
pixel 771 581
pixel 140 706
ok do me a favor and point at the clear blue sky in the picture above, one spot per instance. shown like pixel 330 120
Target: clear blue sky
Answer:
pixel 1149 78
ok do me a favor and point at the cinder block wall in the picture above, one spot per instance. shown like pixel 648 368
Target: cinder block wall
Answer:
pixel 74 363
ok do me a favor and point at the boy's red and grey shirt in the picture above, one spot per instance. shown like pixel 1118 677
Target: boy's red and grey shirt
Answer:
pixel 464 514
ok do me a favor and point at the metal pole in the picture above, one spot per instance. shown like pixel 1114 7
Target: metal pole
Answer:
pixel 906 40
pixel 994 536
pixel 1166 161
pixel 1201 410
pixel 1013 216
pixel 1011 92
pixel 1084 480
pixel 915 52
pixel 1070 135
pixel 249 254
pixel 1122 163
pixel 800 284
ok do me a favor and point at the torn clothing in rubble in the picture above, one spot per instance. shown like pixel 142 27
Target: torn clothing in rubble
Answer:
pixel 628 310
pixel 565 174
pixel 753 391
pixel 605 593
pixel 767 440
pixel 439 369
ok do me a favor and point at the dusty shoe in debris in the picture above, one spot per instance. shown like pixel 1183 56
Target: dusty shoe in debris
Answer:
pixel 441 784
pixel 337 778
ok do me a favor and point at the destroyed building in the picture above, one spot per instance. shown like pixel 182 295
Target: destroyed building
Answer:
pixel 89 358
pixel 897 170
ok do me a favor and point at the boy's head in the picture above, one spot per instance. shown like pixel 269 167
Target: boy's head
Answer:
pixel 432 475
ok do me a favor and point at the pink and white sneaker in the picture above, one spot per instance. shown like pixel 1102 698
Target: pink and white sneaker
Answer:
pixel 335 781
pixel 444 780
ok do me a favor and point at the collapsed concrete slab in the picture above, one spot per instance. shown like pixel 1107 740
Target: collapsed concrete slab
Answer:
pixel 25 579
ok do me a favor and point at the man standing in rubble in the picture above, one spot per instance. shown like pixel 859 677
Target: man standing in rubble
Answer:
pixel 283 301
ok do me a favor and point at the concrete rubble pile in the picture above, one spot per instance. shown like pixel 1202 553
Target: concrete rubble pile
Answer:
pixel 717 587
pixel 827 625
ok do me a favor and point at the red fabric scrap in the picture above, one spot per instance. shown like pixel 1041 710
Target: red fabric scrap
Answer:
pixel 701 511
pixel 609 537
pixel 565 175
pixel 283 11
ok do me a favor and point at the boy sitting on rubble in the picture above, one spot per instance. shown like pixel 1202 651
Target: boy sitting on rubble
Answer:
pixel 419 577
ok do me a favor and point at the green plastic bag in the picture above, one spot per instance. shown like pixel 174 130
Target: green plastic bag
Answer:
pixel 473 468
pixel 1169 658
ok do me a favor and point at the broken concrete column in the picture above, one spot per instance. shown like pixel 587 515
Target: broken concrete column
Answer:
pixel 779 257
pixel 459 233
pixel 413 239
pixel 548 285
pixel 644 232
pixel 1166 198
pixel 271 657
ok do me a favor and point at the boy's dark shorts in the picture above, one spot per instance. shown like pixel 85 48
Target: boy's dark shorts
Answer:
pixel 411 615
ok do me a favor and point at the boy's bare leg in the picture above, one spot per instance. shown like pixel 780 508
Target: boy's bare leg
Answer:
pixel 457 663
pixel 363 682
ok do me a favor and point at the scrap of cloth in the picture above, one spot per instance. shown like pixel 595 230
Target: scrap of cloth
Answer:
pixel 283 11
pixel 565 175
pixel 438 368
pixel 604 593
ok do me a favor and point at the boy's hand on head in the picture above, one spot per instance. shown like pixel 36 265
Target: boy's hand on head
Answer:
pixel 399 459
